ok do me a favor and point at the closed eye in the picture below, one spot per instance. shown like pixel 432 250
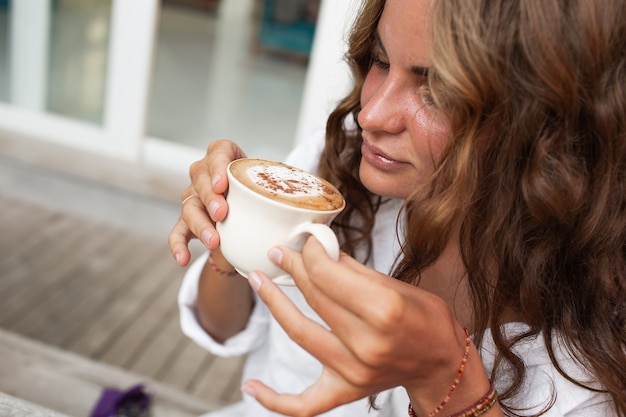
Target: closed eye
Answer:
pixel 379 63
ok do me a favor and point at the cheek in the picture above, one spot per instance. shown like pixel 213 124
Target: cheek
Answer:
pixel 430 133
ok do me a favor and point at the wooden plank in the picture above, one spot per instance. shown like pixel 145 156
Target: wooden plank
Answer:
pixel 106 293
pixel 25 223
pixel 71 384
pixel 16 407
pixel 42 228
pixel 20 243
pixel 20 221
pixel 222 380
pixel 94 283
pixel 37 276
pixel 7 206
pixel 134 338
pixel 10 210
pixel 167 340
pixel 187 366
pixel 128 308
pixel 120 302
pixel 39 286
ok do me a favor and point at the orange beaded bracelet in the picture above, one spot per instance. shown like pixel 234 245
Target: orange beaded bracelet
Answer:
pixel 481 406
pixel 457 379
pixel 477 409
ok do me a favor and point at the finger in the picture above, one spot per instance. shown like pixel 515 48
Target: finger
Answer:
pixel 178 240
pixel 324 395
pixel 310 335
pixel 214 204
pixel 213 200
pixel 211 170
pixel 292 261
pixel 356 287
pixel 197 221
pixel 327 346
pixel 359 304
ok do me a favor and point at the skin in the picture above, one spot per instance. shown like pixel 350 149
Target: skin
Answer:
pixel 385 333
pixel 403 134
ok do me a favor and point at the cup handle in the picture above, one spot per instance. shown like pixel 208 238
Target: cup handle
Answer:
pixel 324 234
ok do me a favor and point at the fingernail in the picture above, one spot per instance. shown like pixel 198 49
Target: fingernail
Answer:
pixel 215 179
pixel 247 389
pixel 206 237
pixel 213 206
pixel 255 280
pixel 178 256
pixel 275 255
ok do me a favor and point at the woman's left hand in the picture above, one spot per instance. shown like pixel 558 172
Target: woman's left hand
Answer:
pixel 381 333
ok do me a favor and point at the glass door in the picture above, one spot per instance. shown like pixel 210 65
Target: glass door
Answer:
pixel 232 69
pixel 76 72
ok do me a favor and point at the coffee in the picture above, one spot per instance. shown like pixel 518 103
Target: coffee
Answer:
pixel 286 184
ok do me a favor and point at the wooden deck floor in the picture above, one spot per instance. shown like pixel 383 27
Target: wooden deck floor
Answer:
pixel 103 293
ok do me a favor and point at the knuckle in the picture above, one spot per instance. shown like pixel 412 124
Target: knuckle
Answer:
pixel 359 376
pixel 316 269
pixel 172 239
pixel 390 312
pixel 216 143
pixel 297 335
pixel 194 167
pixel 375 353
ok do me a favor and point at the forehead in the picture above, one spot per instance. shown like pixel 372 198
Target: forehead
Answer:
pixel 403 30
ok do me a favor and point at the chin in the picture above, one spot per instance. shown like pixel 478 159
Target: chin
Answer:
pixel 384 186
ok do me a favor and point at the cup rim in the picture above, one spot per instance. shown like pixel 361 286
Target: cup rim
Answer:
pixel 247 189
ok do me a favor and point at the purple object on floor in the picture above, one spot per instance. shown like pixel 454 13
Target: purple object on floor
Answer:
pixel 133 402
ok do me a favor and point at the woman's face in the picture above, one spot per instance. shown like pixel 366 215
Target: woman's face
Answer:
pixel 403 134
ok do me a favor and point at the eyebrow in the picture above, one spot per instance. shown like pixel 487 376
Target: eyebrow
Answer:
pixel 415 69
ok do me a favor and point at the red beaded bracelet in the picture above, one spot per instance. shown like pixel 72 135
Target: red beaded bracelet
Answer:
pixel 457 379
pixel 219 270
pixel 481 406
pixel 477 409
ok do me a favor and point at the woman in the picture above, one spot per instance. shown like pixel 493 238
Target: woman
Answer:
pixel 528 196
pixel 505 121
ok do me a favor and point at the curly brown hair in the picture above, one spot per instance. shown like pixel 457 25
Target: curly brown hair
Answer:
pixel 342 153
pixel 534 173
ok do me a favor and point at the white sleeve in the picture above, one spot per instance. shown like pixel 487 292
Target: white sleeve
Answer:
pixel 250 338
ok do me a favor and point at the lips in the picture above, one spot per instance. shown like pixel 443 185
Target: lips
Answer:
pixel 379 158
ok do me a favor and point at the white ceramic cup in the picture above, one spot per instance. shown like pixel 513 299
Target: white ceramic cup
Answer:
pixel 280 205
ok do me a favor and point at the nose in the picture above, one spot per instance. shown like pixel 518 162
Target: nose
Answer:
pixel 383 109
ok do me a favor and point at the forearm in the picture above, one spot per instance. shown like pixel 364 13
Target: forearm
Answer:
pixel 224 302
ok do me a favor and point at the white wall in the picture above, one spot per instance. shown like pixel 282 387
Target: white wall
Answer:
pixel 328 76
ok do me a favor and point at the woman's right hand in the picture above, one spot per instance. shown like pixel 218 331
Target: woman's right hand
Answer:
pixel 207 204
pixel 378 333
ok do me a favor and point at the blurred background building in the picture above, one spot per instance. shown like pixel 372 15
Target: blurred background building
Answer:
pixel 153 82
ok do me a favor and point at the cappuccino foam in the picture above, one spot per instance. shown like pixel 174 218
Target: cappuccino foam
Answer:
pixel 287 184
